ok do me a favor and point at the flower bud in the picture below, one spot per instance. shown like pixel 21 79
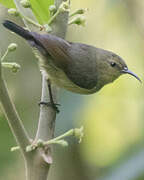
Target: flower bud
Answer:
pixel 14 148
pixel 29 148
pixel 79 11
pixel 64 7
pixel 13 66
pixel 12 47
pixel 25 3
pixel 40 143
pixel 13 11
pixel 79 20
pixel 78 132
pixel 52 8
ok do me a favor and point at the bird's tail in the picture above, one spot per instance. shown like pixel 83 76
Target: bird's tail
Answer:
pixel 17 29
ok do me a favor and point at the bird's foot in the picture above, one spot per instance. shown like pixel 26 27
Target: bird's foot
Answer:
pixel 51 104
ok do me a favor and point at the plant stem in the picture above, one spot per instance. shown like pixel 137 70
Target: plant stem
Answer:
pixel 13 118
pixel 37 169
pixel 53 17
pixel 5 54
pixel 47 115
pixel 68 133
pixel 31 21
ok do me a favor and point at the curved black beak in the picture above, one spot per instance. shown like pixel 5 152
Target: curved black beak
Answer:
pixel 125 70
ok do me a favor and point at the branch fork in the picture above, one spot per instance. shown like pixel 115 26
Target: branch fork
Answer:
pixel 37 155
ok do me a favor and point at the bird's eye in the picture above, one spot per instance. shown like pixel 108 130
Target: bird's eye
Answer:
pixel 113 64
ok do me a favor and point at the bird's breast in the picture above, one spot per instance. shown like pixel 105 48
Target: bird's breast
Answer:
pixel 59 77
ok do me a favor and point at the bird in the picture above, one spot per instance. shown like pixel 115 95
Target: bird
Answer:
pixel 77 67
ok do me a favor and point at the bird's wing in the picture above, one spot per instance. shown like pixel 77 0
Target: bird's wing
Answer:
pixel 56 47
pixel 73 58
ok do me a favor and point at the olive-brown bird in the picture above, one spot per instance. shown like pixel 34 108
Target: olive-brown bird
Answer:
pixel 77 67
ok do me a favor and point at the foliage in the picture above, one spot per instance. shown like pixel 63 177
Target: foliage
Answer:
pixel 40 8
pixel 8 3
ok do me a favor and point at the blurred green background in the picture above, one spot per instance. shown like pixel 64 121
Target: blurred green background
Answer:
pixel 113 146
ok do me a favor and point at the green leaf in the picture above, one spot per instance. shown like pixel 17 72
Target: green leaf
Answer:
pixel 7 3
pixel 41 9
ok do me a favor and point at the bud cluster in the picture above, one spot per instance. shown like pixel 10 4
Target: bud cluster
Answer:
pixel 25 3
pixel 64 7
pixel 13 11
pixel 12 47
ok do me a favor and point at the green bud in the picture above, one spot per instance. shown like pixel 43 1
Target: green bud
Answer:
pixel 79 11
pixel 78 132
pixel 64 7
pixel 29 148
pixel 15 148
pixel 25 3
pixel 13 66
pixel 12 47
pixel 79 20
pixel 52 8
pixel 40 143
pixel 13 11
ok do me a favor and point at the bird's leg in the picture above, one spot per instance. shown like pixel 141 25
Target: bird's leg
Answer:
pixel 51 103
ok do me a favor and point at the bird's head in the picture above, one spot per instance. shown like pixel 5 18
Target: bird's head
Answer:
pixel 111 66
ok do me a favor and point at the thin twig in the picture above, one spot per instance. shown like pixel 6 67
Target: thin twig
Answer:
pixel 12 116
